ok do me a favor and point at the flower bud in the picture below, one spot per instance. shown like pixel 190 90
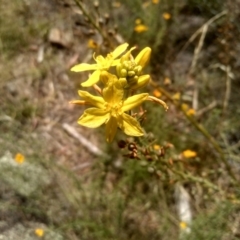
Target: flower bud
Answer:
pixel 143 57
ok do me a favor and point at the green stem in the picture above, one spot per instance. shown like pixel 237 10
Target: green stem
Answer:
pixel 201 129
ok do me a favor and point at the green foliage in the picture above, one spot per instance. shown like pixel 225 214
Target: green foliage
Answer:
pixel 17 28
pixel 215 224
pixel 122 196
pixel 205 7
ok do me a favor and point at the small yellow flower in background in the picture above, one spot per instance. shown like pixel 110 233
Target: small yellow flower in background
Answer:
pixel 155 1
pixel 102 64
pixel 140 28
pixel 191 112
pixel 138 21
pixel 166 16
pixel 39 232
pixel 183 225
pixel 157 93
pixel 176 96
pixel 189 154
pixel 185 107
pixel 19 158
pixel 156 147
pixel 92 44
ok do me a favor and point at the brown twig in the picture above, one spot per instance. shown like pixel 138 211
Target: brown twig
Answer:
pixel 209 22
pixel 92 22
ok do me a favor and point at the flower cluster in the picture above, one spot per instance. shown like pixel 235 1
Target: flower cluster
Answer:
pixel 117 96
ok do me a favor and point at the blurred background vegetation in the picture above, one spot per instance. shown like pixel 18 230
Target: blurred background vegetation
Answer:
pixel 59 180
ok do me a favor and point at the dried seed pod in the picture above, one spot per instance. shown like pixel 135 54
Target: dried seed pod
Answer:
pixel 132 146
pixel 131 155
pixel 122 144
pixel 135 150
pixel 161 152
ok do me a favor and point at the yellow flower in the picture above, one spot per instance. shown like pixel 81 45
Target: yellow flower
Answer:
pixel 166 16
pixel 19 158
pixel 111 107
pixel 191 112
pixel 157 93
pixel 155 1
pixel 140 28
pixel 176 96
pixel 102 64
pixel 138 21
pixel 185 107
pixel 156 147
pixel 39 232
pixel 183 225
pixel 189 154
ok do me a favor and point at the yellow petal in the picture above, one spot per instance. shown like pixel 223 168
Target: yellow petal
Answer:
pixel 159 101
pixel 143 57
pixel 115 62
pixel 130 125
pixel 142 82
pixel 112 92
pixel 119 50
pixel 84 67
pixel 96 101
pixel 107 78
pixel 126 56
pixel 78 102
pixel 111 129
pixel 93 117
pixel 93 79
pixel 134 101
